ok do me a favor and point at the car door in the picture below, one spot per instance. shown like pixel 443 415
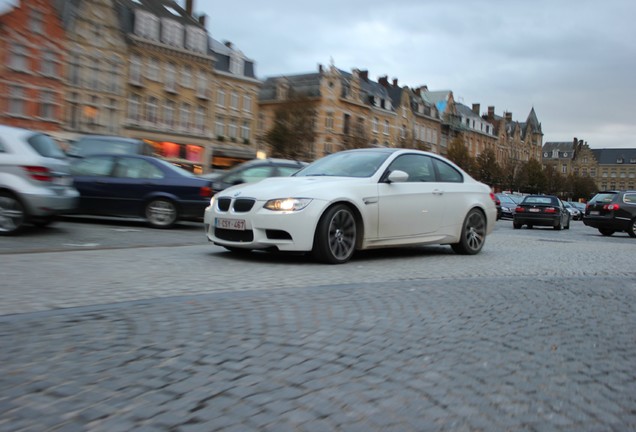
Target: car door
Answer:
pixel 133 179
pixel 91 177
pixel 410 208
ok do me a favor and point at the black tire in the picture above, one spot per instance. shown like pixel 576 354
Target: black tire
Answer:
pixel 12 214
pixel 567 227
pixel 631 229
pixel 605 231
pixel 42 221
pixel 473 235
pixel 336 235
pixel 530 226
pixel 558 226
pixel 161 213
pixel 516 225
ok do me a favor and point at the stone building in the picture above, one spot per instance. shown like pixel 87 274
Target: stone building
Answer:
pixel 33 53
pixel 95 96
pixel 609 168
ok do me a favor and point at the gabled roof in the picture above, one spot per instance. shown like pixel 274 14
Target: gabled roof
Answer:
pixel 438 98
pixel 222 53
pixel 561 146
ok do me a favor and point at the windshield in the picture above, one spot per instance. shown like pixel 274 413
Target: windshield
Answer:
pixel 88 146
pixel 346 164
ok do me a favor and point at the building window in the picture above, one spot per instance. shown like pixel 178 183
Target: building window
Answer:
pixel 186 76
pixel 199 120
pixel 133 108
pixel 153 69
pixel 47 105
pixel 184 116
pixel 151 110
pixel 146 25
pixel 94 81
pixel 219 127
pixel 171 73
pixel 195 39
pixel 114 66
pixel 245 130
pixel 564 169
pixel 387 128
pixel 236 64
pixel 36 21
pixel 234 101
pixel 168 114
pixel 74 69
pixel 48 64
pixel 220 98
pixel 17 101
pixel 374 124
pixel 202 83
pixel 19 59
pixel 232 129
pixel 329 121
pixel 135 69
pixel 247 103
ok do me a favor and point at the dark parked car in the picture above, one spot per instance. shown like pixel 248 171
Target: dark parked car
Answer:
pixel 543 210
pixel 253 171
pixel 35 180
pixel 102 144
pixel 139 186
pixel 508 205
pixel 612 211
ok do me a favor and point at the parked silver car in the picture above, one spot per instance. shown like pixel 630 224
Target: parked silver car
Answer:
pixel 35 180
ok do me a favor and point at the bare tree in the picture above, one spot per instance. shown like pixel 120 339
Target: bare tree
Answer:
pixel 293 133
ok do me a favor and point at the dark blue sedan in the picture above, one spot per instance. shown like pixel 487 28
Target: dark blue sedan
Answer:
pixel 139 186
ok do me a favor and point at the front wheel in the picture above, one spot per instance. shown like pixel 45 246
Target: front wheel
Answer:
pixel 161 213
pixel 336 234
pixel 473 235
pixel 605 231
pixel 631 229
pixel 12 215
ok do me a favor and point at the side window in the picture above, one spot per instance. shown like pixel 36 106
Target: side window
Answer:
pixel 137 169
pixel 93 166
pixel 2 149
pixel 418 167
pixel 629 198
pixel 447 173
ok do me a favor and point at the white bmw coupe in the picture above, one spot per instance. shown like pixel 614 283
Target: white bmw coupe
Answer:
pixel 354 200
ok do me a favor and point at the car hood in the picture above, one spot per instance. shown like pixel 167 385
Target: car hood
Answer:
pixel 295 187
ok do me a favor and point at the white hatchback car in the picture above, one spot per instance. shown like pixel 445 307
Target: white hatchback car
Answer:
pixel 35 180
pixel 355 200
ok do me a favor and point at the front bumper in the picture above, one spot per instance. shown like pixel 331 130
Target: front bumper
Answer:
pixel 265 229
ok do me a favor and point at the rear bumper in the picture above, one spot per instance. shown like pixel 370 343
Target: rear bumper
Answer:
pixel 537 220
pixel 616 224
pixel 51 203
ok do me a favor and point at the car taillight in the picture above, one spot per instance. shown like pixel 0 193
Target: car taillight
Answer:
pixel 494 198
pixel 519 209
pixel 550 210
pixel 39 173
pixel 205 191
pixel 611 207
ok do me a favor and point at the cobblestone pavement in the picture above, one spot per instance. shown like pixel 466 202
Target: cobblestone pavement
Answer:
pixel 537 333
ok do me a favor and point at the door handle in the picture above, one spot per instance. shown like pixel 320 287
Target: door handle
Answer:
pixel 438 192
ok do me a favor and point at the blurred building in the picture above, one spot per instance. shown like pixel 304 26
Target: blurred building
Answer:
pixel 33 53
pixel 611 169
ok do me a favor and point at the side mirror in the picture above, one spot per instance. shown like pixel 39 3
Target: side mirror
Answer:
pixel 397 176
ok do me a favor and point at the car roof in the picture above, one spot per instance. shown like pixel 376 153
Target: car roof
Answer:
pixel 109 138
pixel 17 132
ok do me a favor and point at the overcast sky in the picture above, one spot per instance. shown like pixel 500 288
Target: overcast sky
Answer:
pixel 574 61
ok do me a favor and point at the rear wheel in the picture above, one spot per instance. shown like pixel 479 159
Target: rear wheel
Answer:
pixel 42 221
pixel 12 214
pixel 530 226
pixel 516 225
pixel 631 229
pixel 336 233
pixel 473 234
pixel 558 226
pixel 605 231
pixel 161 213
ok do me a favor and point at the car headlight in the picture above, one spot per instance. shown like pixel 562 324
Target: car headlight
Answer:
pixel 287 204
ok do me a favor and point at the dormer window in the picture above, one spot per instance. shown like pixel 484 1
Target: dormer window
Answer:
pixel 195 39
pixel 555 154
pixel 236 64
pixel 619 160
pixel 171 32
pixel 146 25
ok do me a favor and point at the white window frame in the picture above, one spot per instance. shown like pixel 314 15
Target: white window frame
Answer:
pixel 19 59
pixel 186 76
pixel 17 101
pixel 171 77
pixel 234 100
pixel 245 130
pixel 152 114
pixel 195 39
pixel 220 98
pixel 199 119
pixel 47 105
pixel 247 103
pixel 169 114
pixel 232 129
pixel 146 25
pixel 202 83
pixel 36 21
pixel 152 71
pixel 134 103
pixel 49 61
pixel 135 69
pixel 219 126
pixel 184 116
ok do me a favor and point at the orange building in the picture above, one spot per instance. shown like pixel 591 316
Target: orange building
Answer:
pixel 33 55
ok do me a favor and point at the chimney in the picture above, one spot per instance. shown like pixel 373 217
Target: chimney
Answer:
pixel 491 112
pixel 576 141
pixel 320 70
pixel 476 108
pixel 508 116
pixel 202 20
pixel 228 44
pixel 189 6
pixel 395 82
pixel 364 74
pixel 384 80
